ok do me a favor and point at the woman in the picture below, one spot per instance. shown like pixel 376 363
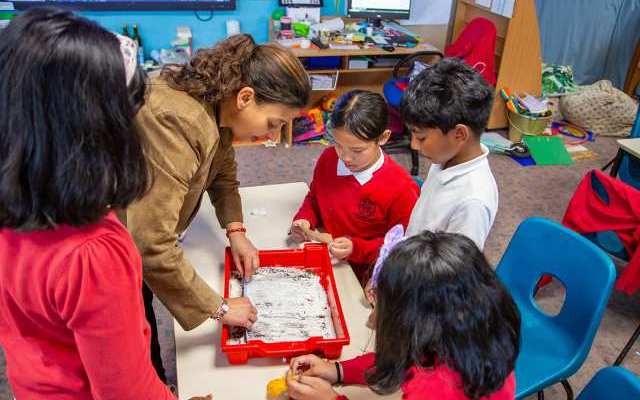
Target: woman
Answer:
pixel 235 90
pixel 71 314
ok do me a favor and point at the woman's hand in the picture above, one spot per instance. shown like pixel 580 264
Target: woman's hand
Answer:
pixel 299 229
pixel 244 253
pixel 309 388
pixel 241 313
pixel 312 365
pixel 341 248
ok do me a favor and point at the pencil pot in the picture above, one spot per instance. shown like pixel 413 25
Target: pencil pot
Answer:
pixel 520 125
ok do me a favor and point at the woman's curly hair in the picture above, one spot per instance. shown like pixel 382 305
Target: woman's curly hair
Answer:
pixel 274 73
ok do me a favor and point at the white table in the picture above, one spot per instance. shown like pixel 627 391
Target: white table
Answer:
pixel 202 367
pixel 631 146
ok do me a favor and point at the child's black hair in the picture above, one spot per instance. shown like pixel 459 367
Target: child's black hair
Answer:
pixel 68 150
pixel 447 94
pixel 439 301
pixel 362 112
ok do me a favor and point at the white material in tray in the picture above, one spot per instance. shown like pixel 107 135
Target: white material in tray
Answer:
pixel 292 305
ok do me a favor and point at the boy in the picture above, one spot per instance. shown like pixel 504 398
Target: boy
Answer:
pixel 447 108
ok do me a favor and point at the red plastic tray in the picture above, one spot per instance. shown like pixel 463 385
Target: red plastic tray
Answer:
pixel 313 257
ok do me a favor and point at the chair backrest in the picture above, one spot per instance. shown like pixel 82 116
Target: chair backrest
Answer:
pixel 543 247
pixel 612 383
pixel 428 56
pixel 629 171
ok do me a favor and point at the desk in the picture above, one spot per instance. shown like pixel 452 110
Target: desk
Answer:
pixel 629 146
pixel 201 366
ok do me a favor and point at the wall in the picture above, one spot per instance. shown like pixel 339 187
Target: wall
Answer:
pixel 568 36
pixel 158 28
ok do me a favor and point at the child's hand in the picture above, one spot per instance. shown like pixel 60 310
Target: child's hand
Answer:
pixel 312 365
pixel 341 248
pixel 309 388
pixel 299 230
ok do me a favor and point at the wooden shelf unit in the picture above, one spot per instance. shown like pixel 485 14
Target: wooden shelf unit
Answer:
pixel 372 79
pixel 518 56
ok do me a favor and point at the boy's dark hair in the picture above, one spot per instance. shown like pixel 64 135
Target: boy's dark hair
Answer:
pixel 362 112
pixel 447 94
pixel 439 301
pixel 68 151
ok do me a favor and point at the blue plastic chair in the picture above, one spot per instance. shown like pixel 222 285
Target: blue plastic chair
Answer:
pixel 612 383
pixel 552 348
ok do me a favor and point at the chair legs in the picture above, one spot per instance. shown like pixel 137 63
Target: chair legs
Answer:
pixel 627 347
pixel 614 164
pixel 567 389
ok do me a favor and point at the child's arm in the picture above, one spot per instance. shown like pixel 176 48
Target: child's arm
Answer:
pixel 353 371
pixel 473 220
pixel 99 297
pixel 309 209
pixel 365 251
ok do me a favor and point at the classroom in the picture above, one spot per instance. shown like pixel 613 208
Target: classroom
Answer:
pixel 319 199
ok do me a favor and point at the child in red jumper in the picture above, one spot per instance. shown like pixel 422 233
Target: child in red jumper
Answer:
pixel 358 193
pixel 72 320
pixel 446 328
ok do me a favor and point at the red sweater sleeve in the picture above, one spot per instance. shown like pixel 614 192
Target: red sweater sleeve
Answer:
pixel 355 369
pixel 365 251
pixel 100 301
pixel 309 208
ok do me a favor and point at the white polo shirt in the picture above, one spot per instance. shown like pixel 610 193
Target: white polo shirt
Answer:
pixel 460 199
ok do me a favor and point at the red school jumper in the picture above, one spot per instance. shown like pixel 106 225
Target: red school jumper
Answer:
pixel 439 382
pixel 72 320
pixel 364 213
pixel 588 212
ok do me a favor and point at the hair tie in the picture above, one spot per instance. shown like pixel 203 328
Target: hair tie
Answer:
pixel 394 236
pixel 129 50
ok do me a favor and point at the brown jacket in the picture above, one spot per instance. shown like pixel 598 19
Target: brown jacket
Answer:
pixel 187 155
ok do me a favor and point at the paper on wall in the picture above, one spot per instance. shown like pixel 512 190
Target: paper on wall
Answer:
pixel 429 12
pixel 503 7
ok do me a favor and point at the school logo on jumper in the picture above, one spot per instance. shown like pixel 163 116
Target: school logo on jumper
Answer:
pixel 366 209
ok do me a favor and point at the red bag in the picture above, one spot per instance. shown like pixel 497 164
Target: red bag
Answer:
pixel 476 45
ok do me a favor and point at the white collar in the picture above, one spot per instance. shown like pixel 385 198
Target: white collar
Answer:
pixel 446 175
pixel 363 176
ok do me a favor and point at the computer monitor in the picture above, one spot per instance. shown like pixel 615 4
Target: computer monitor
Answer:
pixel 379 9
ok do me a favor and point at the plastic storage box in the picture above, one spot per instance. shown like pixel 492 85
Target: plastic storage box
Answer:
pixel 313 257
